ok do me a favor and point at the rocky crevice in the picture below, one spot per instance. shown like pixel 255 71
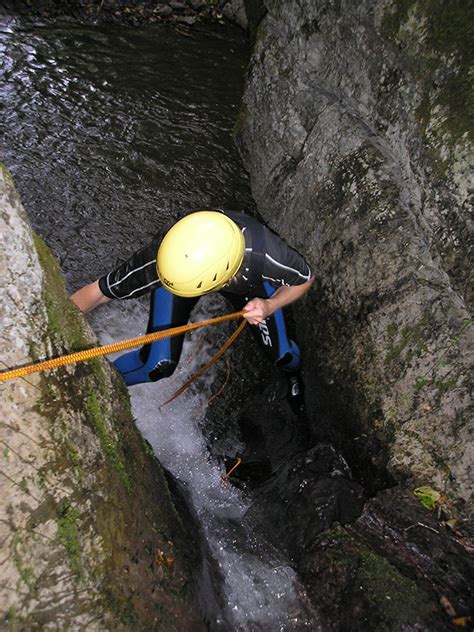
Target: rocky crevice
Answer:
pixel 358 157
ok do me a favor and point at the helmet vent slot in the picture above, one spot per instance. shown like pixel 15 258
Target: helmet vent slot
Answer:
pixel 198 286
pixel 215 277
pixel 228 265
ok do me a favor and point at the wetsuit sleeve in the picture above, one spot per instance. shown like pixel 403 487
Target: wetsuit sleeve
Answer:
pixel 133 277
pixel 283 265
pixel 137 275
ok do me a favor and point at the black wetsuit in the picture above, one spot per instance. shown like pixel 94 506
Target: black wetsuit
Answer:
pixel 268 263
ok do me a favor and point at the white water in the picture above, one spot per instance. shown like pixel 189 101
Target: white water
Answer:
pixel 258 587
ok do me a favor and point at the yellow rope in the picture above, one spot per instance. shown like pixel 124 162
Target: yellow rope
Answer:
pixel 88 354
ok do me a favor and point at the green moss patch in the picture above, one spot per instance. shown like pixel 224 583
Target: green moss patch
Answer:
pixel 68 534
pixel 408 342
pixel 107 442
pixel 242 117
pixel 375 594
pixel 64 321
pixel 382 585
pixel 436 36
pixel 6 175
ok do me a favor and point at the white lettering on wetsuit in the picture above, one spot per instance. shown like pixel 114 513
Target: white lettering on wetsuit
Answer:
pixel 265 334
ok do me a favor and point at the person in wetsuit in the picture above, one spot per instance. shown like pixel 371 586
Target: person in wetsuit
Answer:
pixel 208 251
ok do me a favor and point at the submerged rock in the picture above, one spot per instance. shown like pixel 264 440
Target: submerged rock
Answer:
pixel 90 536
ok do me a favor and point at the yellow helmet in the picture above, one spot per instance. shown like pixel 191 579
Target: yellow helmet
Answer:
pixel 200 253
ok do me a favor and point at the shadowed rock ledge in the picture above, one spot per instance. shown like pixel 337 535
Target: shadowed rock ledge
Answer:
pixel 90 536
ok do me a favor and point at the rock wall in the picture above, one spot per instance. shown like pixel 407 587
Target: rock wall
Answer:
pixel 90 536
pixel 355 128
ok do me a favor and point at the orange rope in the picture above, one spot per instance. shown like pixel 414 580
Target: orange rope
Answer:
pixel 223 385
pixel 88 354
pixel 237 463
pixel 204 368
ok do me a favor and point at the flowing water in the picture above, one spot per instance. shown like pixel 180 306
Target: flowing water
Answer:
pixel 107 130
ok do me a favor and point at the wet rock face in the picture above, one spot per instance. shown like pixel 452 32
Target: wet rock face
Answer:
pixel 381 563
pixel 394 568
pixel 90 537
pixel 355 130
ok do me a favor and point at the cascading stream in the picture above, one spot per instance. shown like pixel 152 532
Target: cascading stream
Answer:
pixel 257 584
pixel 108 130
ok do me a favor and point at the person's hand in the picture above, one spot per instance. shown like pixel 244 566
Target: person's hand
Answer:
pixel 257 310
pixel 88 297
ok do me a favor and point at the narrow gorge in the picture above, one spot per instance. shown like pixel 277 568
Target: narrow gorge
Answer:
pixel 347 128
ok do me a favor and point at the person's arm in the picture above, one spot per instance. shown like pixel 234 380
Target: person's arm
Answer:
pixel 258 309
pixel 130 279
pixel 89 297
